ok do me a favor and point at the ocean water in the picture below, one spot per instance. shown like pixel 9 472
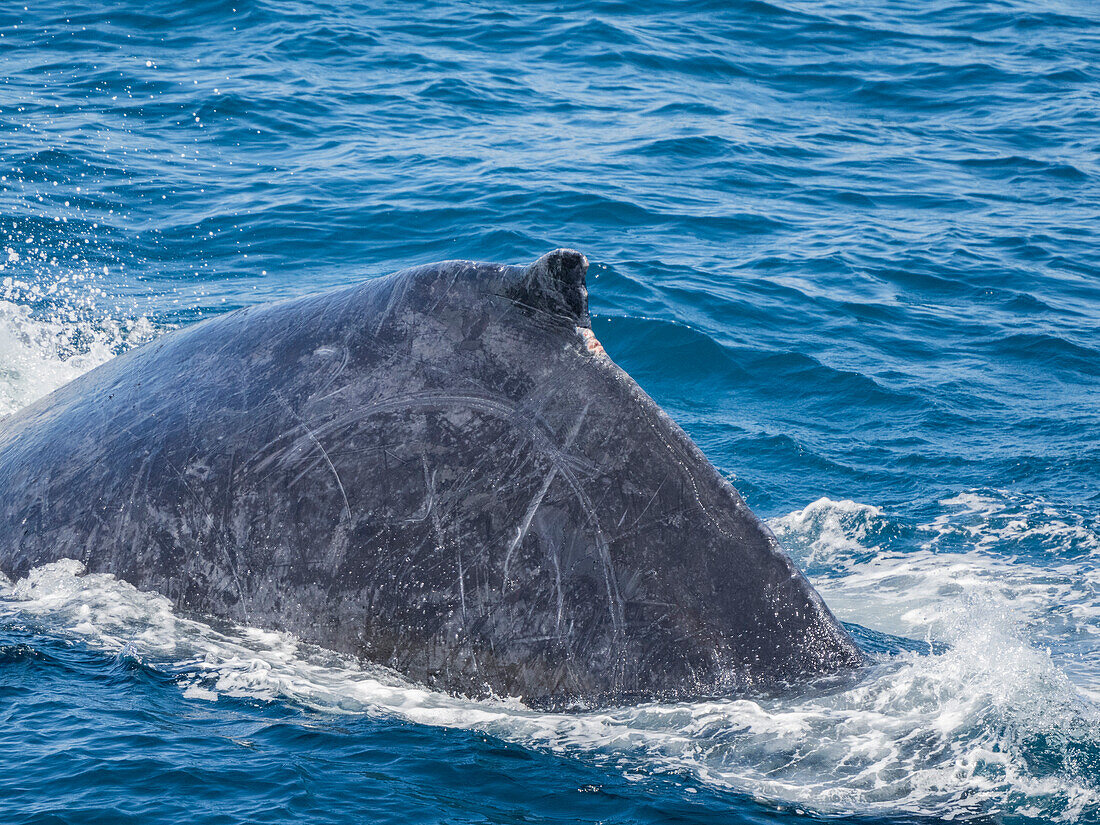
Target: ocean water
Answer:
pixel 853 248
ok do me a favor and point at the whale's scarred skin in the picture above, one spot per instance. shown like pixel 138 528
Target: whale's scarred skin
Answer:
pixel 440 471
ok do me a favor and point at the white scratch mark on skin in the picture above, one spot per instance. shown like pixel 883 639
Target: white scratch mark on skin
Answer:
pixel 395 296
pixel 345 358
pixel 536 501
pixel 455 272
pixel 525 522
pixel 324 452
pixel 501 407
pixel 231 564
pixel 645 509
pixel 461 582
pixel 614 598
pixel 565 465
pixel 429 502
pixel 557 582
pixel 440 535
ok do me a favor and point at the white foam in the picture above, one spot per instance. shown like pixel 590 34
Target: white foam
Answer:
pixel 39 354
pixel 944 735
pixel 968 554
pixel 1002 520
pixel 826 531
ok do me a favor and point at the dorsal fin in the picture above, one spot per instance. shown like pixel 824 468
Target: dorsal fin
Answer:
pixel 555 284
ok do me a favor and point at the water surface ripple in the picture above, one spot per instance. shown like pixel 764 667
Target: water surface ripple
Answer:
pixel 850 247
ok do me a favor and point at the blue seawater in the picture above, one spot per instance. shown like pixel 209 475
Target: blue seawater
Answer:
pixel 853 248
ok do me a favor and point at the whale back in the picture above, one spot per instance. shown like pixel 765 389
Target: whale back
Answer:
pixel 440 471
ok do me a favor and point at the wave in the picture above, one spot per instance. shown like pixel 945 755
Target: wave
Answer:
pixel 990 723
pixel 1032 565
pixel 38 355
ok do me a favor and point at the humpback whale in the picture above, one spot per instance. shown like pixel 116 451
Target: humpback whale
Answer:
pixel 440 471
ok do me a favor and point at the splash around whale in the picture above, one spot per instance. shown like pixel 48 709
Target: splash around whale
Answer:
pixel 440 471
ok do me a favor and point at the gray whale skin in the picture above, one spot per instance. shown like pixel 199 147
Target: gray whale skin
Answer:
pixel 440 471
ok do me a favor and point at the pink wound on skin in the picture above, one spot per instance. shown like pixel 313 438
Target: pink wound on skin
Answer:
pixel 594 346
